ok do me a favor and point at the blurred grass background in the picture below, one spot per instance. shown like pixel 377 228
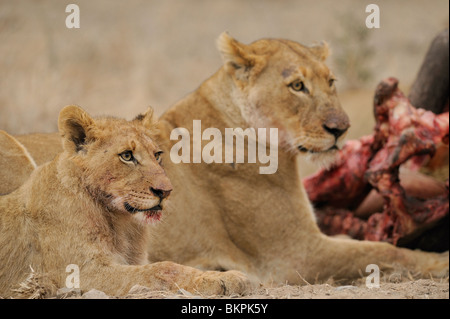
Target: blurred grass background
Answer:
pixel 128 55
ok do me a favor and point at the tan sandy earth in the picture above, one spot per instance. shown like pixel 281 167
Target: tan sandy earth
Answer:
pixel 415 289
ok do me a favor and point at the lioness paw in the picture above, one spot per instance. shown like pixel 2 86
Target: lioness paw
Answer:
pixel 440 267
pixel 222 283
pixel 431 264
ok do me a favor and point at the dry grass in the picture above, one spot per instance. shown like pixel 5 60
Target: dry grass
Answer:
pixel 35 286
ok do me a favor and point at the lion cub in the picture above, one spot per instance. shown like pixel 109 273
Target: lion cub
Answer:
pixel 90 207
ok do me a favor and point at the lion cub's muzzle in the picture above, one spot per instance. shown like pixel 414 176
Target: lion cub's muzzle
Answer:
pixel 161 193
pixel 151 214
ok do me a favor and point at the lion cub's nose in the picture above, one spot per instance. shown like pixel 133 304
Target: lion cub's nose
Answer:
pixel 160 192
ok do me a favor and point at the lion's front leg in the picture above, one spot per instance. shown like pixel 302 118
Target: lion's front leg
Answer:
pixel 164 276
pixel 345 258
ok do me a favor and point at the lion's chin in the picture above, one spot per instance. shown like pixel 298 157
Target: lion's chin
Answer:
pixel 148 217
pixel 324 159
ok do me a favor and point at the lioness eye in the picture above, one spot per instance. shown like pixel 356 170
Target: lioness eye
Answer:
pixel 158 156
pixel 298 86
pixel 127 156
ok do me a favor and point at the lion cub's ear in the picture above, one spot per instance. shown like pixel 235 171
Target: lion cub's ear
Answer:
pixel 148 118
pixel 321 51
pixel 237 57
pixel 75 127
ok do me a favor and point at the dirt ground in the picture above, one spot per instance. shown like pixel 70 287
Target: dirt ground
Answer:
pixel 128 55
pixel 419 289
pixel 411 289
pixel 395 283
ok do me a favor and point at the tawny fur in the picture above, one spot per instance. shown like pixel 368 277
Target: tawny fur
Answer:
pixel 43 146
pixel 16 164
pixel 232 217
pixel 71 211
pixel 228 216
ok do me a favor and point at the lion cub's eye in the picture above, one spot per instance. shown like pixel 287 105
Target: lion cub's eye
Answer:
pixel 299 86
pixel 331 82
pixel 158 156
pixel 127 156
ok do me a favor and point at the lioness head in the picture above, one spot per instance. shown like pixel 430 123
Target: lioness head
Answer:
pixel 283 84
pixel 118 161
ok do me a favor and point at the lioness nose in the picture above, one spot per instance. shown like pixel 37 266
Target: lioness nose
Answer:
pixel 337 132
pixel 336 123
pixel 160 193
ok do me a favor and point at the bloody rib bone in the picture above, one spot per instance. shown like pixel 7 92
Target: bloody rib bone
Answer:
pixel 403 135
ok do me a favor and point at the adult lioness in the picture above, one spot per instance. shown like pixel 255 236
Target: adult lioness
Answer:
pixel 228 216
pixel 89 207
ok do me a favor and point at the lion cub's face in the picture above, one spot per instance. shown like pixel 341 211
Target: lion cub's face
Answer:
pixel 282 84
pixel 119 162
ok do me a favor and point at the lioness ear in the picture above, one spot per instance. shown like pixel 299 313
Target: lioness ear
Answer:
pixel 321 51
pixel 148 118
pixel 74 125
pixel 237 57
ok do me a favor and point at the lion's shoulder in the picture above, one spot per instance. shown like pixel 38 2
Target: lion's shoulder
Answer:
pixel 41 146
pixel 16 164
